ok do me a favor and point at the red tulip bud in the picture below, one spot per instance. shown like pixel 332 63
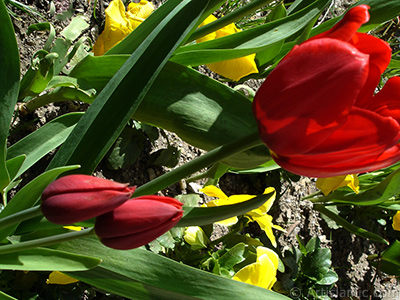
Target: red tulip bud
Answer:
pixel 77 198
pixel 138 221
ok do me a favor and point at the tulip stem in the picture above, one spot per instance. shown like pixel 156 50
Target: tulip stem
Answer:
pixel 20 216
pixel 47 241
pixel 197 164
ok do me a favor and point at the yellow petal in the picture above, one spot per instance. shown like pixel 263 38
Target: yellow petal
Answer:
pixel 263 209
pixel 75 228
pixel 330 184
pixel 60 278
pixel 234 69
pixel 119 23
pixel 262 273
pixel 116 28
pixel 137 12
pixel 396 221
pixel 270 253
pixel 265 223
pixel 213 191
pixel 210 36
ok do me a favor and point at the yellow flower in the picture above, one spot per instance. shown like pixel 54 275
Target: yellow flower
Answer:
pixel 74 228
pixel 234 68
pixel 262 273
pixel 330 184
pixel 60 278
pixel 258 215
pixel 396 221
pixel 195 237
pixel 119 23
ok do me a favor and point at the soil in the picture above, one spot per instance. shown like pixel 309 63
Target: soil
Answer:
pixel 349 253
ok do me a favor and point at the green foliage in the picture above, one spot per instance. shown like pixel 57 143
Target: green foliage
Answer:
pixel 309 274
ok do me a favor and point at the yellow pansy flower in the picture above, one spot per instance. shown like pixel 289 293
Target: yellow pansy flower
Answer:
pixel 258 215
pixel 119 23
pixel 195 237
pixel 60 278
pixel 234 68
pixel 330 184
pixel 396 221
pixel 262 273
pixel 74 228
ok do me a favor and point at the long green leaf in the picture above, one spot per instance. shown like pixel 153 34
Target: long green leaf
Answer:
pixel 207 215
pixel 29 195
pixel 9 86
pixel 141 274
pixel 221 114
pixel 43 259
pixel 42 141
pixel 249 41
pixel 107 116
pixel 350 227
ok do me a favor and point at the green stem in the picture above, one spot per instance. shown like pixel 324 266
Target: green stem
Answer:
pixel 228 19
pixel 47 241
pixel 20 216
pixel 197 164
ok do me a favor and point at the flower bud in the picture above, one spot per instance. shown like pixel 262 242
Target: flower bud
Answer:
pixel 77 198
pixel 138 221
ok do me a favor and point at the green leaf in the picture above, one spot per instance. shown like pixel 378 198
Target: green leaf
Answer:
pixel 42 141
pixel 232 257
pixel 140 274
pixel 206 215
pixel 221 114
pixel 126 150
pixel 4 296
pixel 328 278
pixel 317 263
pixel 29 195
pixel 380 12
pixel 249 41
pixel 46 26
pixel 389 262
pixel 9 86
pixel 14 165
pixel 43 259
pixel 38 75
pixel 107 116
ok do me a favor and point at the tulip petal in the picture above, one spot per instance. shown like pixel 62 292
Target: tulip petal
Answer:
pixel 345 29
pixel 379 58
pixel 331 164
pixel 387 101
pixel 135 240
pixel 70 208
pixel 82 183
pixel 291 116
pixel 136 216
pixel 363 131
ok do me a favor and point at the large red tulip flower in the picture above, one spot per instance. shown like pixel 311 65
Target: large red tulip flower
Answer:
pixel 317 111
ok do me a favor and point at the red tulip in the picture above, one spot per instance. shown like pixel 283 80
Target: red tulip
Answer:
pixel 138 221
pixel 317 111
pixel 77 198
